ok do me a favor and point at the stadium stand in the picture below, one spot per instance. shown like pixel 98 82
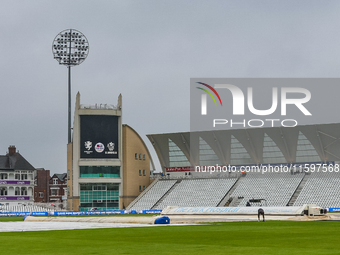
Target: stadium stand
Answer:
pixel 275 188
pixel 153 195
pixel 197 193
pixel 322 189
pixel 188 155
pixel 23 208
pixel 192 192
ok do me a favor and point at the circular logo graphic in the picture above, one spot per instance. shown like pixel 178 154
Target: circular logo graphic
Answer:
pixel 99 147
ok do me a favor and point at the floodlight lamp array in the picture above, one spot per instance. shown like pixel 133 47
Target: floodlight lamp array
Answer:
pixel 70 47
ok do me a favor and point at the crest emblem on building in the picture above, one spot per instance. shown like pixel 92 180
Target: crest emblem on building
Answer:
pixel 111 146
pixel 99 147
pixel 88 145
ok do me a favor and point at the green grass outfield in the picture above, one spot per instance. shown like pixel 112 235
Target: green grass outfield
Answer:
pixel 271 237
pixel 12 218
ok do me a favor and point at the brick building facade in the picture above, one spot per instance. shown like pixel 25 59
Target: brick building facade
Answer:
pixel 41 186
pixel 58 188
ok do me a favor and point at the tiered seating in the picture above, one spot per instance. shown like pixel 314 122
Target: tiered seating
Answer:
pixel 153 195
pixel 322 189
pixel 275 188
pixel 198 192
pixel 22 208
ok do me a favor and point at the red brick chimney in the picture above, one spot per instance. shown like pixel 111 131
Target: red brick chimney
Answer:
pixel 11 150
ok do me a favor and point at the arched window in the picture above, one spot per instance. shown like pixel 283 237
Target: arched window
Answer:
pixel 17 191
pixel 3 191
pixel 23 191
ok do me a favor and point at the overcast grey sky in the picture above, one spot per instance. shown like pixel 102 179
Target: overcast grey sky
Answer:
pixel 148 51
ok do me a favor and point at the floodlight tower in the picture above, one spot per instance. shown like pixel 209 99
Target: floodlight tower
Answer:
pixel 70 48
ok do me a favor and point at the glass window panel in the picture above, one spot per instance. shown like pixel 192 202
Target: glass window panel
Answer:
pixel 271 153
pixel 207 155
pixel 99 171
pixel 305 151
pixel 176 156
pixel 104 196
pixel 238 154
